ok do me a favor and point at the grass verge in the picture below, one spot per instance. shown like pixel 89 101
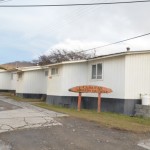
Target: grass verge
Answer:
pixel 11 95
pixel 111 120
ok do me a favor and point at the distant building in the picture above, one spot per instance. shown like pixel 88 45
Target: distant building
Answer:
pixel 16 64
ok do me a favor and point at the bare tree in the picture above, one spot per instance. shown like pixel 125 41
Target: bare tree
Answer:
pixel 57 56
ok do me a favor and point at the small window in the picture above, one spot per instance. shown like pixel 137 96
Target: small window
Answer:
pixel 12 76
pixel 97 71
pixel 46 73
pixel 93 71
pixel 19 75
pixel 54 71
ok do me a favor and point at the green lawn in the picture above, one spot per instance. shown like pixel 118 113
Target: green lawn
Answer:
pixel 111 120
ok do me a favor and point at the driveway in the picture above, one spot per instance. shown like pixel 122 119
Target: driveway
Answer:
pixel 19 115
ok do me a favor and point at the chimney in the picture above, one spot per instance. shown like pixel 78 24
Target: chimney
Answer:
pixel 128 49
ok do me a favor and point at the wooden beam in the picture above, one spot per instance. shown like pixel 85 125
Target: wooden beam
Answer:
pixel 99 103
pixel 79 102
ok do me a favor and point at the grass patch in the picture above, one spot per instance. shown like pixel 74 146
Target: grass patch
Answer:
pixel 111 120
pixel 19 99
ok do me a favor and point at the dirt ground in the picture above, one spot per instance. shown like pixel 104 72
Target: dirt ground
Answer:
pixel 74 134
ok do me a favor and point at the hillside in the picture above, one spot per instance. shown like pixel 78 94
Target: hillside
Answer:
pixel 16 64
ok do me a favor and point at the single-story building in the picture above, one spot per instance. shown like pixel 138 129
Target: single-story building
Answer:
pixel 126 73
pixel 32 82
pixel 8 80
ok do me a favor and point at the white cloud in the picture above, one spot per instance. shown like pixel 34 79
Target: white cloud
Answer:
pixel 36 30
pixel 69 44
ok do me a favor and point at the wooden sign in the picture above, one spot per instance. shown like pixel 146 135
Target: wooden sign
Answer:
pixel 90 89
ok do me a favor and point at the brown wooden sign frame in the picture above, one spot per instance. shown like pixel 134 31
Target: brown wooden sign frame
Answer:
pixel 90 89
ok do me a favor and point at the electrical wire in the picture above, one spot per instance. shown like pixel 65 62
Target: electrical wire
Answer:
pixel 114 43
pixel 3 1
pixel 77 4
pixel 139 36
pixel 70 18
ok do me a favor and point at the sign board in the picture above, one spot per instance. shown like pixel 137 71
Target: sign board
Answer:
pixel 90 89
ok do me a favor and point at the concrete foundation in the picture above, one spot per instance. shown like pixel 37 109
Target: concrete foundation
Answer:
pixel 32 96
pixel 124 106
pixel 142 110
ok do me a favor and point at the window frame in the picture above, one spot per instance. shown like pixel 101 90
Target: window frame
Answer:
pixel 19 76
pixel 12 76
pixel 46 73
pixel 56 72
pixel 96 71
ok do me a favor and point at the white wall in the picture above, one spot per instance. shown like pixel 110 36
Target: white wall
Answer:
pixel 113 76
pixel 77 74
pixel 13 80
pixel 69 75
pixel 5 80
pixel 74 75
pixel 20 84
pixel 137 75
pixel 54 83
pixel 34 82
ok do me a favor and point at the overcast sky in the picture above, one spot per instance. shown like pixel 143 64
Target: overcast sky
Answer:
pixel 26 33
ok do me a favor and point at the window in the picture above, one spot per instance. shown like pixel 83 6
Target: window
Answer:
pixel 97 71
pixel 46 73
pixel 19 76
pixel 12 76
pixel 54 71
pixel 93 71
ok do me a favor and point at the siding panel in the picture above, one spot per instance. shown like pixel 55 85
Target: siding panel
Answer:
pixel 137 73
pixel 70 75
pixel 113 76
pixel 32 82
pixel 5 80
pixel 54 86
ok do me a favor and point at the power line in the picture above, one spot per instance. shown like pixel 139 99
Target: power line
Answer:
pixel 77 14
pixel 82 4
pixel 3 1
pixel 139 36
pixel 73 17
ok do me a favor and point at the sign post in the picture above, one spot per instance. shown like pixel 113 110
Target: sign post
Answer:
pixel 99 103
pixel 90 89
pixel 79 102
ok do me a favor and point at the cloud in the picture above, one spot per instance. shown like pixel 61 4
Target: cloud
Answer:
pixel 69 44
pixel 37 30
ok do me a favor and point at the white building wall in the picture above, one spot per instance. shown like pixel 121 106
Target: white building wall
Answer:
pixel 5 80
pixel 74 75
pixel 113 76
pixel 54 84
pixel 20 84
pixel 137 74
pixel 69 75
pixel 13 81
pixel 33 82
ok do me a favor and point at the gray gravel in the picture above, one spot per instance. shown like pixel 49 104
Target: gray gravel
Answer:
pixel 74 134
